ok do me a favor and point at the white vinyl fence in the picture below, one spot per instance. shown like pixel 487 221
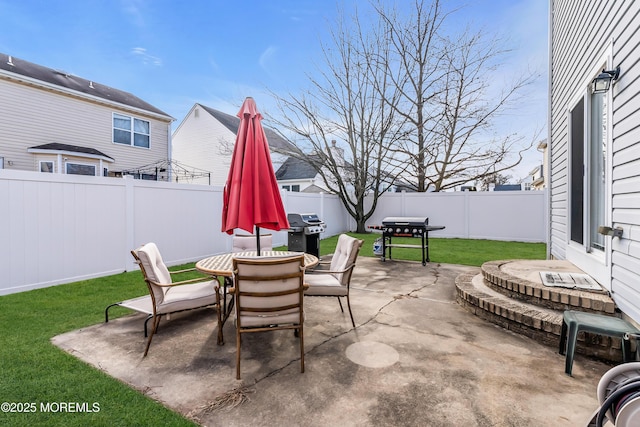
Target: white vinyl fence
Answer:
pixel 62 228
pixel 495 215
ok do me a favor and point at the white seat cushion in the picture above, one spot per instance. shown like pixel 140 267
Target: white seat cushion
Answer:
pixel 184 297
pixel 324 284
pixel 155 269
pixel 245 243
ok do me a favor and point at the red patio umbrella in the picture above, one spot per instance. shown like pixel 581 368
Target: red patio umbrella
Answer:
pixel 251 194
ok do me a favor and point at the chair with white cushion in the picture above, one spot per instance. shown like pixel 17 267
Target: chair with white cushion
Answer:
pixel 335 282
pixel 249 242
pixel 167 296
pixel 268 294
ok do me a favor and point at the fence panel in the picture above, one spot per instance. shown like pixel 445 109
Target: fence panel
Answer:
pixel 184 220
pixel 63 228
pixel 495 215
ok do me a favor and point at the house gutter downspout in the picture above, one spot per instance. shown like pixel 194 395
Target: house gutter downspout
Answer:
pixel 549 159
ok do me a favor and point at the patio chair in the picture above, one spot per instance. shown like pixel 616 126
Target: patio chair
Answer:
pixel 248 242
pixel 335 282
pixel 167 296
pixel 268 295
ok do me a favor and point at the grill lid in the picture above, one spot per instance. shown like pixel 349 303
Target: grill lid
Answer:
pixel 410 221
pixel 303 220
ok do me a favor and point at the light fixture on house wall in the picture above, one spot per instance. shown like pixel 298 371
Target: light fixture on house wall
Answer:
pixel 602 83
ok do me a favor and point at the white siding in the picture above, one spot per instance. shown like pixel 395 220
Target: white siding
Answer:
pixel 582 33
pixel 204 143
pixel 33 116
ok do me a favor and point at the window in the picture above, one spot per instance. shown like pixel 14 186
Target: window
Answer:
pixel 130 131
pixel 577 170
pixel 80 169
pixel 295 188
pixel 597 169
pixel 286 187
pixel 588 162
pixel 46 167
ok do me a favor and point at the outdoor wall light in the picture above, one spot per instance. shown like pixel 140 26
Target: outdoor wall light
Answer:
pixel 608 231
pixel 602 83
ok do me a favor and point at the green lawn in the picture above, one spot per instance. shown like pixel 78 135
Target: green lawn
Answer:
pixel 35 372
pixel 448 251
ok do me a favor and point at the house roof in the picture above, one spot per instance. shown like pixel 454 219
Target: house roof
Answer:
pixel 276 142
pixel 508 187
pixel 12 65
pixel 314 189
pixel 294 168
pixel 71 149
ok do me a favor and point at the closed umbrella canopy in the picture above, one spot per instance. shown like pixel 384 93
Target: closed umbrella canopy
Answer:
pixel 251 194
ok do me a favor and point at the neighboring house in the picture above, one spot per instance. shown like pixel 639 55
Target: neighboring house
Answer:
pixel 595 143
pixel 511 187
pixel 205 140
pixel 536 178
pixel 55 122
pixel 538 175
pixel 298 175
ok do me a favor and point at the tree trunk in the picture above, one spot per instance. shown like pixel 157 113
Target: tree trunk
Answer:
pixel 361 227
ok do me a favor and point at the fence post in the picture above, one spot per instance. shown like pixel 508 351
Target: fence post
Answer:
pixel 129 220
pixel 467 202
pixel 403 202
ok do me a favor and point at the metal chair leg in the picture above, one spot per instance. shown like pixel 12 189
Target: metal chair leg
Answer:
pixel 350 313
pixel 156 322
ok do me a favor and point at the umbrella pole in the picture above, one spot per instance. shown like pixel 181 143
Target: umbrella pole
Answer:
pixel 258 239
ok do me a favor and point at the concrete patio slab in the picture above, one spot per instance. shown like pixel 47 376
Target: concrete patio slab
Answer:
pixel 415 359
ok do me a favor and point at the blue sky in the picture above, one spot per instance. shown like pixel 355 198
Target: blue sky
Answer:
pixel 173 54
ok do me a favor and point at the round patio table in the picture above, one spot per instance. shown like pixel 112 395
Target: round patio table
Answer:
pixel 222 265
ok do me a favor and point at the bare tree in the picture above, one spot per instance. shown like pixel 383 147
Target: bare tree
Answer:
pixel 403 100
pixel 413 64
pixel 342 125
pixel 445 98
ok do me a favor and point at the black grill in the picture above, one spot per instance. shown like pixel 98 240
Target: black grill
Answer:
pixel 304 233
pixel 404 227
pixel 417 227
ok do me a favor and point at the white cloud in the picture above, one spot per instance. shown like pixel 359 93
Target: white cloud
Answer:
pixel 266 58
pixel 132 9
pixel 145 58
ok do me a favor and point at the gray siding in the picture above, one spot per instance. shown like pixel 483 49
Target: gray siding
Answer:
pixel 33 116
pixel 582 33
